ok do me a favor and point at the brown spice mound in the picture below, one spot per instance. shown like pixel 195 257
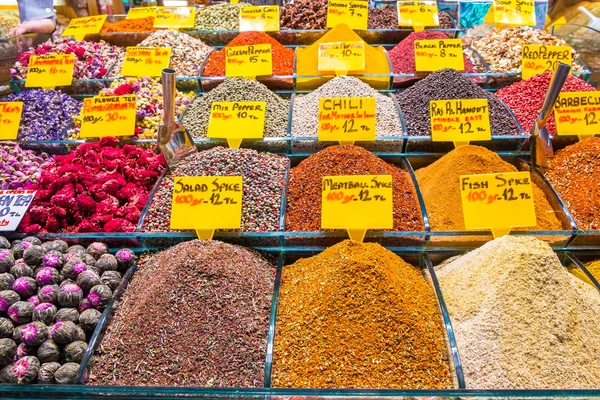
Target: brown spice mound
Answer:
pixel 303 211
pixel 439 184
pixel 196 314
pixel 358 316
pixel 145 24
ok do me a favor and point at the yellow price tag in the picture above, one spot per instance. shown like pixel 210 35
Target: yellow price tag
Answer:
pixel 259 18
pixel 206 203
pixel 145 61
pixel 175 17
pixel 432 55
pixel 578 113
pixel 234 1
pixel 50 70
pixel 79 27
pixel 249 61
pixel 237 120
pixel 10 119
pixel 108 116
pixel 514 12
pixel 355 14
pixel 537 59
pixel 357 203
pixel 460 121
pixel 347 119
pixel 341 57
pixel 497 201
pixel 418 14
pixel 141 12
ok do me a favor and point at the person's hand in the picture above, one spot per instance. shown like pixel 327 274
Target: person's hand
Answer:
pixel 33 26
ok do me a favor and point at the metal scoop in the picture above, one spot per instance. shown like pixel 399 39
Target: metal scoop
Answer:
pixel 174 141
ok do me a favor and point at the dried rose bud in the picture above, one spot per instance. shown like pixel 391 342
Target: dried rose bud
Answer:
pixel 69 295
pixel 7 299
pixel 45 312
pixel 21 312
pixel 25 286
pixel 6 260
pixel 47 371
pixel 64 332
pixel 49 351
pixel 48 294
pixel 47 276
pixel 32 334
pixel 34 255
pixel 67 373
pixel 8 350
pixel 99 296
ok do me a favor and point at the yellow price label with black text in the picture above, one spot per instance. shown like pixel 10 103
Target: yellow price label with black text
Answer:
pixel 249 61
pixel 418 14
pixel 108 116
pixel 347 119
pixel 206 203
pixel 259 18
pixel 577 113
pixel 497 202
pixel 237 120
pixel 537 59
pixel 141 12
pixel 175 17
pixel 514 12
pixel 50 70
pixel 434 54
pixel 341 57
pixel 355 14
pixel 145 61
pixel 79 27
pixel 460 121
pixel 10 119
pixel 357 203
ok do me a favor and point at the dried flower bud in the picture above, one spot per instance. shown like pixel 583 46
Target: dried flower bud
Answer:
pixel 67 373
pixel 47 371
pixel 6 281
pixel 21 269
pixel 87 280
pixel 68 314
pixel 64 332
pixel 34 255
pixel 69 295
pixel 25 286
pixel 32 334
pixel 7 299
pixel 48 351
pixel 45 312
pixel 21 312
pixel 111 279
pixel 6 328
pixel 47 276
pixel 24 350
pixel 96 249
pixel 125 258
pixel 6 260
pixel 89 319
pixel 22 371
pixel 48 294
pixel 74 351
pixel 8 350
pixel 73 268
pixel 99 296
pixel 33 240
pixel 53 259
pixel 107 262
pixel 35 300
pixel 4 243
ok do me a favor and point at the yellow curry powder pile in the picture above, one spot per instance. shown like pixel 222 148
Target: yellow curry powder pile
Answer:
pixel 358 316
pixel 593 267
pixel 439 183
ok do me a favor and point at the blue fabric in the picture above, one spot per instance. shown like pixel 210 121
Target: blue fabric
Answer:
pixel 36 9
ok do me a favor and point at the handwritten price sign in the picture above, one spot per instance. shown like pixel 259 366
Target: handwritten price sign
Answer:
pixel 347 119
pixel 355 14
pixel 341 57
pixel 236 121
pixel 418 14
pixel 249 61
pixel 259 18
pixel 357 203
pixel 537 59
pixel 79 27
pixel 514 12
pixel 578 113
pixel 108 116
pixel 141 12
pixel 13 206
pixel 145 61
pixel 175 17
pixel 50 70
pixel 432 55
pixel 497 201
pixel 206 203
pixel 460 121
pixel 10 119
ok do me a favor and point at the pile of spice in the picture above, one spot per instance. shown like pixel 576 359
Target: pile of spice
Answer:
pixel 219 17
pixel 197 116
pixel 440 185
pixel 196 314
pixel 593 268
pixel 130 25
pixel 526 98
pixel 263 179
pixel 387 18
pixel 51 299
pixel 448 84
pixel 573 173
pixel 21 168
pixel 358 316
pixel 303 211
pixel 187 53
pixel 98 187
pixel 149 104
pixel 92 59
pixel 521 320
pixel 46 113
pixel 7 23
pixel 303 15
pixel 503 50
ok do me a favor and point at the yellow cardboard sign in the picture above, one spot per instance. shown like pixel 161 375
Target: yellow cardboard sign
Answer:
pixel 418 14
pixel 249 61
pixel 514 12
pixel 10 119
pixel 347 119
pixel 259 18
pixel 79 27
pixel 537 59
pixel 108 116
pixel 206 203
pixel 145 61
pixel 175 17
pixel 357 203
pixel 355 14
pixel 50 70
pixel 341 57
pixel 237 120
pixel 578 113
pixel 497 201
pixel 460 121
pixel 434 54
pixel 141 12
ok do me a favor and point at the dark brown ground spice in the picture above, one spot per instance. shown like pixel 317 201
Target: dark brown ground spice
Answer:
pixel 303 212
pixel 196 314
pixel 358 316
